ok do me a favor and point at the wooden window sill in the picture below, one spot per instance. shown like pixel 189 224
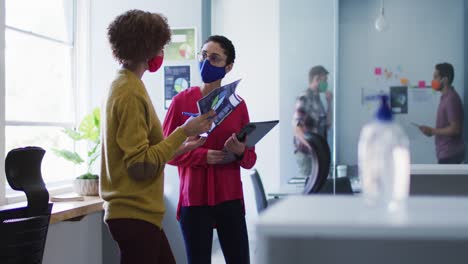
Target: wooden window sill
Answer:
pixel 68 211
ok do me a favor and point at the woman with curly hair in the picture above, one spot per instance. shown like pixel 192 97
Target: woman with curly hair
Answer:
pixel 134 149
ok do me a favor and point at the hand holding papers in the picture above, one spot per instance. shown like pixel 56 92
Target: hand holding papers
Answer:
pixel 222 100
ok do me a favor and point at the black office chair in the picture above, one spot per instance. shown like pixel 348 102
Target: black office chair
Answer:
pixel 259 191
pixel 260 197
pixel 24 230
pixel 321 159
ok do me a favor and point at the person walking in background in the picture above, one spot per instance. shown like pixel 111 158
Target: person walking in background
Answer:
pixel 448 132
pixel 310 116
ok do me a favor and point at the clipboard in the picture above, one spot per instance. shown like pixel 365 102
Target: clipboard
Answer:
pixel 254 135
pixel 261 129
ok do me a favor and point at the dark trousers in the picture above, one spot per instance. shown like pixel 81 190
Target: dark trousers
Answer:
pixel 140 242
pixel 197 223
pixel 455 159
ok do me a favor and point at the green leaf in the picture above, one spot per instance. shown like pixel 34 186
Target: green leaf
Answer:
pixel 88 176
pixel 93 159
pixel 94 150
pixel 68 155
pixel 97 117
pixel 73 134
pixel 88 128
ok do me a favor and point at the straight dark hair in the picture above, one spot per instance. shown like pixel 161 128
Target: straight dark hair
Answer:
pixel 317 71
pixel 446 70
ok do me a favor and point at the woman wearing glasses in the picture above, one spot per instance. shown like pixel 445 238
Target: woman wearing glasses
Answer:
pixel 211 191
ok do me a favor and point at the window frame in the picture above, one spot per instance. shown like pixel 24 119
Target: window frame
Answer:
pixel 80 85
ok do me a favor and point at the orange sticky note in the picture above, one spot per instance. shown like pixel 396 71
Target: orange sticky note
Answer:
pixel 404 81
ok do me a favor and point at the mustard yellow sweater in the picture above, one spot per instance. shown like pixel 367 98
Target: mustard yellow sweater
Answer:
pixel 134 153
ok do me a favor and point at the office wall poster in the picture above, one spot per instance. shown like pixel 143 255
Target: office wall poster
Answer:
pixel 176 79
pixel 399 99
pixel 182 45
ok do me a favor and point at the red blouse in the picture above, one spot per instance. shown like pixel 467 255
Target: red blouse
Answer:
pixel 201 183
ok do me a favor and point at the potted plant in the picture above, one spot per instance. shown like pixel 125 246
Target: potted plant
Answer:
pixel 89 131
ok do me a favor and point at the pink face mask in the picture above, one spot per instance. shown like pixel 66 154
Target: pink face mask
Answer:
pixel 155 63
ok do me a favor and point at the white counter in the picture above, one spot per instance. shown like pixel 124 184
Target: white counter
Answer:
pixel 444 169
pixel 439 180
pixel 305 223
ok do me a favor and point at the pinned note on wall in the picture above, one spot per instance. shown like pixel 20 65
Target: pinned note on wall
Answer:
pixel 378 71
pixel 404 81
pixel 399 69
pixel 388 74
pixel 399 99
pixel 422 84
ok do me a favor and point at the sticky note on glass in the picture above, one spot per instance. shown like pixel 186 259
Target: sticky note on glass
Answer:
pixel 422 84
pixel 404 81
pixel 378 71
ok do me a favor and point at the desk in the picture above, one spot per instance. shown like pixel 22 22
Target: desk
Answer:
pixel 287 190
pixel 338 229
pixel 297 189
pixel 62 211
pixel 297 180
pixel 425 169
pixel 439 169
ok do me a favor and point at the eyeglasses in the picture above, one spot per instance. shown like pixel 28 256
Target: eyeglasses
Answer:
pixel 213 57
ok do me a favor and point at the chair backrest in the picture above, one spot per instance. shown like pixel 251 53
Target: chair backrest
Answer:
pixel 23 237
pixel 260 196
pixel 23 172
pixel 24 230
pixel 323 159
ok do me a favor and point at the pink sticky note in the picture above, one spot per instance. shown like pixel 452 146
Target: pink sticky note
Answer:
pixel 378 71
pixel 422 84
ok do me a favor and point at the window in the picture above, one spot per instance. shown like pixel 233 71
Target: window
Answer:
pixel 41 95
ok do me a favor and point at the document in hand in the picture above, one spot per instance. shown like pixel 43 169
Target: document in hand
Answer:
pixel 222 100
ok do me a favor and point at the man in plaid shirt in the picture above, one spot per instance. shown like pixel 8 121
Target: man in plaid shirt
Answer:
pixel 311 117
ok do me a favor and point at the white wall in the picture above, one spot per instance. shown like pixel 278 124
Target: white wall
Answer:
pixel 75 242
pixel 421 34
pixel 2 101
pixel 466 71
pixel 179 13
pixel 253 26
pixel 277 43
pixel 103 67
pixel 307 38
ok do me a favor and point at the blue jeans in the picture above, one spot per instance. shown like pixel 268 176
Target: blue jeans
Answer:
pixel 197 223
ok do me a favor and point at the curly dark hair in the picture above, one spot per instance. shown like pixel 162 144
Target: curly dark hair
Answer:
pixel 136 36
